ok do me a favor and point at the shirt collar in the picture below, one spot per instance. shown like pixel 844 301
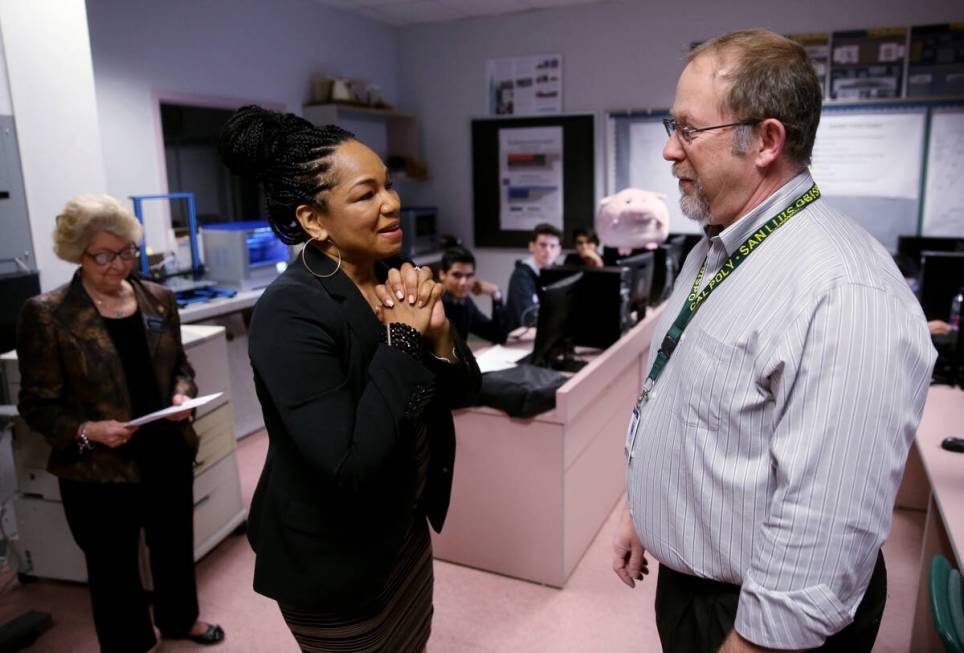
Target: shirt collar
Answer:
pixel 734 235
pixel 531 262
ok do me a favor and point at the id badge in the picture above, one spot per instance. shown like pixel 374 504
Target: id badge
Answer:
pixel 631 433
pixel 155 324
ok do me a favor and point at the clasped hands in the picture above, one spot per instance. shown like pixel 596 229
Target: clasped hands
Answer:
pixel 411 296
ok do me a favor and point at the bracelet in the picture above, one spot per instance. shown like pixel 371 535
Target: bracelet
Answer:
pixel 83 443
pixel 404 338
pixel 453 361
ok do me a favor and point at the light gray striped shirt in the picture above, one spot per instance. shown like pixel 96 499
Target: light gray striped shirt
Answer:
pixel 771 448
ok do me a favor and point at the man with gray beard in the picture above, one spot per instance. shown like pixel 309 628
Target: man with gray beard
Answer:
pixel 786 380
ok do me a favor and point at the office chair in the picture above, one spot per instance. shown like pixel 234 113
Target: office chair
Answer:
pixel 943 607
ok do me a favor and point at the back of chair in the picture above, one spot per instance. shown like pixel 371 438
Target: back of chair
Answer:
pixel 955 590
pixel 941 610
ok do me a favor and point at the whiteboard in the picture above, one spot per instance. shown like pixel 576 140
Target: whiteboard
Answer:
pixel 944 190
pixel 868 162
pixel 639 163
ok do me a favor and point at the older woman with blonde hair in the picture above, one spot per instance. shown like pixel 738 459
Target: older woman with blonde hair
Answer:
pixel 94 354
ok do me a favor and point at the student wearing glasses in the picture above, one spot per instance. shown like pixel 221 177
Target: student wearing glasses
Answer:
pixel 457 275
pixel 95 353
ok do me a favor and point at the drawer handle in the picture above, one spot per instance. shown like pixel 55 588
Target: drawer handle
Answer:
pixel 201 501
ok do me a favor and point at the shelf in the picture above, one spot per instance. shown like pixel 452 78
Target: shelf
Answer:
pixel 387 132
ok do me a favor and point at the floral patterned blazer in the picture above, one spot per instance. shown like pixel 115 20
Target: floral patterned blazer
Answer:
pixel 71 373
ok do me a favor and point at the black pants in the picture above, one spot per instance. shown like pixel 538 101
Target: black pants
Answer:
pixel 106 519
pixel 695 615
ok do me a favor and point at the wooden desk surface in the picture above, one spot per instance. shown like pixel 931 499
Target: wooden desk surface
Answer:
pixel 944 416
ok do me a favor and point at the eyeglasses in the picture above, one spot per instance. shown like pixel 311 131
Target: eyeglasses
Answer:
pixel 129 253
pixel 687 133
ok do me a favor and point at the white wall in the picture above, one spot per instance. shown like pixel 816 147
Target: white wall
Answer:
pixel 6 105
pixel 50 76
pixel 241 51
pixel 616 55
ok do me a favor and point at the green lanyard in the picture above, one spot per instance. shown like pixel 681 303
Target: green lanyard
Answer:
pixel 696 298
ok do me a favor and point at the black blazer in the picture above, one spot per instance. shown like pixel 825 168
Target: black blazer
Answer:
pixel 336 496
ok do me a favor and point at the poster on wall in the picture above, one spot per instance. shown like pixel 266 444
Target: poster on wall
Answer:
pixel 530 177
pixel 936 61
pixel 521 86
pixel 817 47
pixel 868 64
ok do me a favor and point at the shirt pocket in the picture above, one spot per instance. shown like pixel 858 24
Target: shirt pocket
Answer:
pixel 710 371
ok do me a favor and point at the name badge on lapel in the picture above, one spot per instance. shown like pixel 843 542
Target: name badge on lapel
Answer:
pixel 155 324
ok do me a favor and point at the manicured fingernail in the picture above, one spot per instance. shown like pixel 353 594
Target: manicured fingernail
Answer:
pixel 411 299
pixel 400 294
pixel 389 303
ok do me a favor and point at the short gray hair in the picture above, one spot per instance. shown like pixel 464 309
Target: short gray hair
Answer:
pixel 770 77
pixel 86 215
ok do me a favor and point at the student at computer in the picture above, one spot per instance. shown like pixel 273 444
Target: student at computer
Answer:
pixel 587 249
pixel 458 277
pixel 544 247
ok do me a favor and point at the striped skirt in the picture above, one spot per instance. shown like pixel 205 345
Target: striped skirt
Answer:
pixel 398 620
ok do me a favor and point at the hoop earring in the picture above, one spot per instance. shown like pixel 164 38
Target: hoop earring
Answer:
pixel 320 276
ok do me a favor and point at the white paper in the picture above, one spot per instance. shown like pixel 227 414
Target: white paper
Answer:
pixel 525 85
pixel 498 358
pixel 944 201
pixel 530 177
pixel 869 154
pixel 172 410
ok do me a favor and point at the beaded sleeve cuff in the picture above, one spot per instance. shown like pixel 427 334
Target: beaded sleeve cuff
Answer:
pixel 405 338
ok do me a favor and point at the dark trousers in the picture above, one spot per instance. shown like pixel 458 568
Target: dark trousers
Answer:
pixel 106 520
pixel 694 615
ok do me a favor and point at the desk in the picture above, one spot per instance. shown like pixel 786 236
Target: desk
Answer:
pixel 934 479
pixel 529 495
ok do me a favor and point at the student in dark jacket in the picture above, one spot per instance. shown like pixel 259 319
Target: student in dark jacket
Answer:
pixel 94 354
pixel 457 274
pixel 586 244
pixel 523 305
pixel 357 371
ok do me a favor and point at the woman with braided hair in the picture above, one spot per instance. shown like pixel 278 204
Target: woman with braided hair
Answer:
pixel 357 371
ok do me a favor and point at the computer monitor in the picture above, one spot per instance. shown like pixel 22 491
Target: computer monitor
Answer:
pixel 941 278
pixel 601 311
pixel 553 342
pixel 15 289
pixel 676 251
pixel 641 268
pixel 914 246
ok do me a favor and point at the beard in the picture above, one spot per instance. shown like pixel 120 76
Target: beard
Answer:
pixel 694 205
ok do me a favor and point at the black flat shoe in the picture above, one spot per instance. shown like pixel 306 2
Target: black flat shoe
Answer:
pixel 213 635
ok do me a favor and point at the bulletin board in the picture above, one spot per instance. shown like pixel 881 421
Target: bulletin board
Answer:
pixel 531 170
pixel 895 167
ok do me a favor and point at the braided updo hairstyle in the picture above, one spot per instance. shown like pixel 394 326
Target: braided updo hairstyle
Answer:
pixel 287 155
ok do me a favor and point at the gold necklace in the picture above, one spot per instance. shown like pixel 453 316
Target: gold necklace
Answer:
pixel 117 312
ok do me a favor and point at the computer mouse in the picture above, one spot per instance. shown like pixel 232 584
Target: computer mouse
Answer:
pixel 953 444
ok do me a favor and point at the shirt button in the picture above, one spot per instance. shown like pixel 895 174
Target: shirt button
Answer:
pixel 445 471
